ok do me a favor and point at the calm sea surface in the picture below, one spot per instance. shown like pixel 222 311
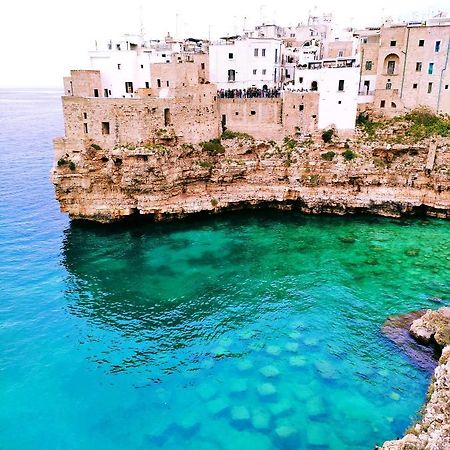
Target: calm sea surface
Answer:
pixel 240 332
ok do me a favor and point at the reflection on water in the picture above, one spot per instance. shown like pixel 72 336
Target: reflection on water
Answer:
pixel 260 322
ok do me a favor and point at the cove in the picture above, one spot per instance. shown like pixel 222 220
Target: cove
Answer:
pixel 258 330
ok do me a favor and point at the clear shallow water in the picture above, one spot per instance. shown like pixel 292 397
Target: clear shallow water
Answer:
pixel 249 331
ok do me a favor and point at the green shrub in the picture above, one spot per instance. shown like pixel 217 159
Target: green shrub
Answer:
pixel 96 147
pixel 213 147
pixel 379 163
pixel 63 162
pixel 328 156
pixel 349 155
pixel 327 135
pixel 289 142
pixel 205 164
pixel 214 202
pixel 228 134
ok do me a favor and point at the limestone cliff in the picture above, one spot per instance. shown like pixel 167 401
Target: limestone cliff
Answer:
pixel 433 431
pixel 165 181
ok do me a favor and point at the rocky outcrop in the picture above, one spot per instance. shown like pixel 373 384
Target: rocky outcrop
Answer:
pixel 165 181
pixel 433 431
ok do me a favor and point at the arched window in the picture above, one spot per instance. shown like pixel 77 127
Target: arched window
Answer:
pixel 391 64
pixel 314 86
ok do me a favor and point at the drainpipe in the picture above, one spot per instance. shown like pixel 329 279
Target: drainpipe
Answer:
pixel 442 76
pixel 404 65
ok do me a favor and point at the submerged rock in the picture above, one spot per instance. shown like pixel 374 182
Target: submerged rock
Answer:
pixel 266 389
pixel 240 413
pixel 270 371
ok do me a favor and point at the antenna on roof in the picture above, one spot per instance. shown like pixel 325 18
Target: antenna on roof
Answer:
pixel 141 22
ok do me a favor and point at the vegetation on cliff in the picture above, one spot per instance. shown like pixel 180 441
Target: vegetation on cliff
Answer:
pixel 412 127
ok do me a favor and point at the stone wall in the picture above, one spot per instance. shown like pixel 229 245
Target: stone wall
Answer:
pixel 191 117
pixel 300 112
pixel 83 83
pixel 259 117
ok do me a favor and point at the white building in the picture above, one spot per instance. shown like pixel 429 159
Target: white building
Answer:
pixel 125 65
pixel 240 63
pixel 337 82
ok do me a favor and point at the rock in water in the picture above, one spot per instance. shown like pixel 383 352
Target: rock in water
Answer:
pixel 270 371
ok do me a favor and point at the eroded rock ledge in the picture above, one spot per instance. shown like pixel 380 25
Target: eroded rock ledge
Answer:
pixel 169 181
pixel 433 431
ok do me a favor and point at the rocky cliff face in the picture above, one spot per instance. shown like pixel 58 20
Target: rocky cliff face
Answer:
pixel 433 431
pixel 172 181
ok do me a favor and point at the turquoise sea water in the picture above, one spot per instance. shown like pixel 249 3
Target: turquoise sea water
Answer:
pixel 246 331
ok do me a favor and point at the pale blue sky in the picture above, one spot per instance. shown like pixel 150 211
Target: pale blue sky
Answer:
pixel 40 40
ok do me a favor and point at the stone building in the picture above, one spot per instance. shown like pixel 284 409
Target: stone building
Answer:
pixel 413 68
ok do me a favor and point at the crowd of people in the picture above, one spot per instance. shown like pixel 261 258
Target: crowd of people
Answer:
pixel 249 93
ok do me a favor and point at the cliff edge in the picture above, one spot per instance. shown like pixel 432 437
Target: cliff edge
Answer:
pixel 167 180
pixel 433 431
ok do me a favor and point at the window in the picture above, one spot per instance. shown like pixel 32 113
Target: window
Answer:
pixel 105 127
pixel 341 85
pixel 166 117
pixel 105 93
pixel 340 53
pixel 236 113
pixel 382 103
pixel 393 105
pixel 264 71
pixel 415 86
pixel 430 68
pixel 364 40
pixel 128 87
pixel 118 66
pixel 256 51
pixel 147 84
pixel 418 66
pixel 142 66
pixel 95 92
pixel 231 75
pixel 437 46
pixel 202 65
pixel 253 113
pixel 276 55
pixel 391 67
pixel 85 127
pixel 230 55
pixel 421 43
pixel 109 91
pixel 167 83
pixel 300 80
pixel 85 116
pixel 430 88
pixel 369 65
pixel 446 86
pixel 158 82
pixel 393 43
pixel 301 107
pixel 263 52
pixel 388 85
pixel 314 86
pixel 254 71
pixel 339 102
